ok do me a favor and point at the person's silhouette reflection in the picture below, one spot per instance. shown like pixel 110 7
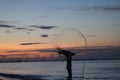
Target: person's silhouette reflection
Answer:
pixel 68 56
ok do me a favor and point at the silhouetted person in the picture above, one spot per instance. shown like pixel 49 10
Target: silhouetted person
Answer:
pixel 68 56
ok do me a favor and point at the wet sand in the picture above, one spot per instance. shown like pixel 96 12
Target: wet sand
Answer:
pixel 21 77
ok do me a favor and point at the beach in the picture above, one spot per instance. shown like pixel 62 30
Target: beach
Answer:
pixel 56 70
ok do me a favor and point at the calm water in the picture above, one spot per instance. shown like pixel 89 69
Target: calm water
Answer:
pixel 94 70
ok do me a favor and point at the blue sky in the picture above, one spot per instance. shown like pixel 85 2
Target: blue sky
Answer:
pixel 98 20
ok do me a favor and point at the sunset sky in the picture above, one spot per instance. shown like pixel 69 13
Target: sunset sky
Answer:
pixel 37 24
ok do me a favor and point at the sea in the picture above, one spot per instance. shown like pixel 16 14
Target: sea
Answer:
pixel 56 70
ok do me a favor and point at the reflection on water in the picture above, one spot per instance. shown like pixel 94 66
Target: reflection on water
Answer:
pixel 95 70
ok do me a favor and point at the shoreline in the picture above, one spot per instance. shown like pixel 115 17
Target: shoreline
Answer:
pixel 17 61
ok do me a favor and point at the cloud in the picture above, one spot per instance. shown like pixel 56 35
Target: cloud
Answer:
pixel 30 29
pixel 14 51
pixel 98 8
pixel 91 36
pixel 43 27
pixel 23 28
pixel 44 35
pixel 7 31
pixel 35 43
pixel 34 50
pixel 6 26
pixel 116 25
pixel 93 52
pixel 44 50
pixel 112 9
pixel 20 28
pixel 3 22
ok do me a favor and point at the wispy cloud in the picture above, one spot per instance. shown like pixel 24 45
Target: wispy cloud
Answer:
pixel 5 22
pixel 33 43
pixel 7 31
pixel 22 28
pixel 14 51
pixel 6 26
pixel 34 50
pixel 100 8
pixel 91 36
pixel 43 27
pixel 44 50
pixel 44 35
pixel 30 29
